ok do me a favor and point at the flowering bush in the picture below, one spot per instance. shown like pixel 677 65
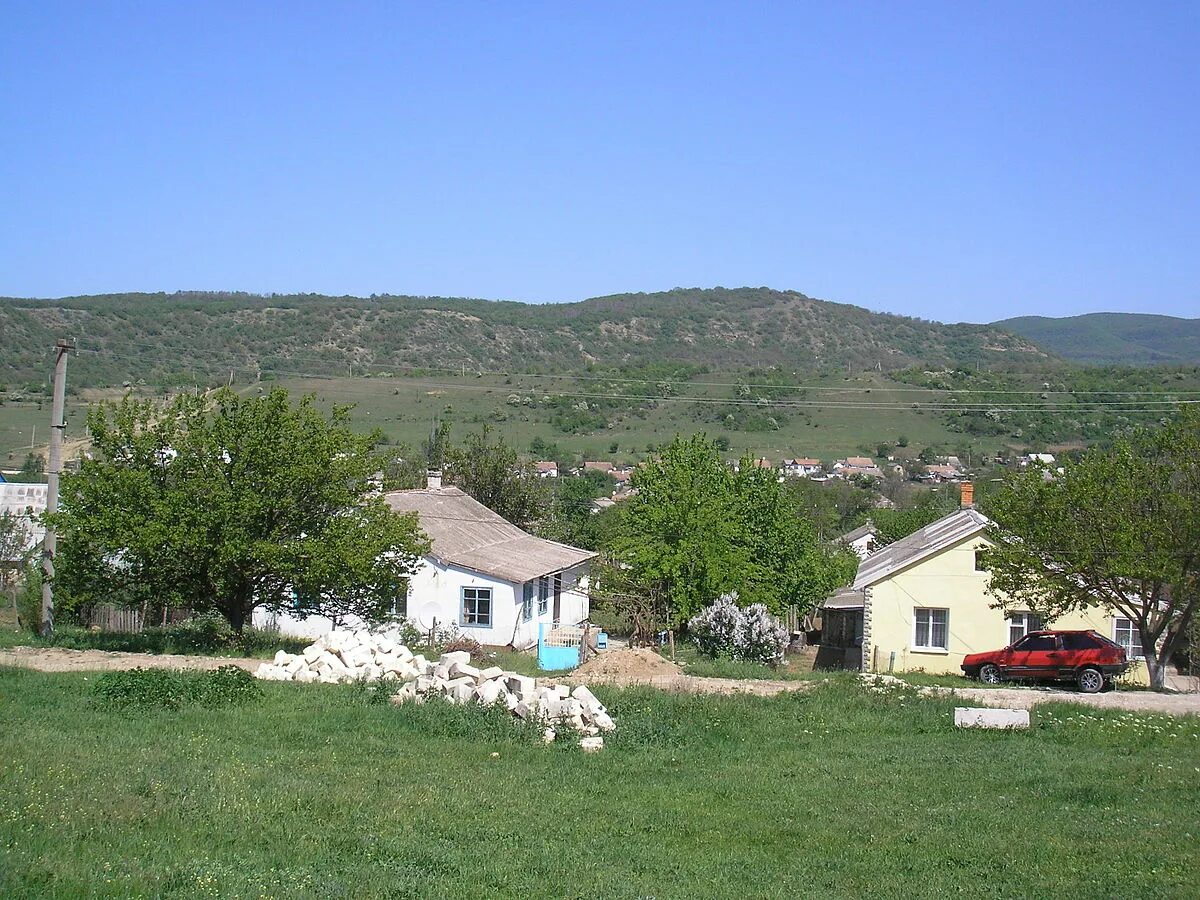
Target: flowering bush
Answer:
pixel 725 629
pixel 715 629
pixel 761 637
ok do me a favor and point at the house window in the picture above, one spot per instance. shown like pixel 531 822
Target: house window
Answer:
pixel 477 607
pixel 1020 624
pixel 980 560
pixel 543 595
pixel 932 630
pixel 1126 634
pixel 399 607
pixel 527 602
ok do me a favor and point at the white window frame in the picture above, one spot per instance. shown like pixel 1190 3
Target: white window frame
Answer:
pixel 477 595
pixel 1023 620
pixel 929 647
pixel 1131 626
pixel 543 595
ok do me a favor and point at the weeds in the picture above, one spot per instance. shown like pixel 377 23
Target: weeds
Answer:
pixel 175 689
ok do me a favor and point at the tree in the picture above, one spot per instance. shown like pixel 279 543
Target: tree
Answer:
pixel 226 504
pixel 32 470
pixel 695 530
pixel 15 551
pixel 491 473
pixel 1118 530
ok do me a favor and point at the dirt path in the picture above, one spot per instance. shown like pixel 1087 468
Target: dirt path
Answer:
pixel 57 659
pixel 1027 698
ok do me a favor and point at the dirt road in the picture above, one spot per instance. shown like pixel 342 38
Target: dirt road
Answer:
pixel 57 659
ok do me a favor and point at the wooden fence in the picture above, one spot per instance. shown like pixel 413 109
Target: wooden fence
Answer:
pixel 107 617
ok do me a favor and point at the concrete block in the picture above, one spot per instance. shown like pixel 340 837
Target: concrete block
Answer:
pixel 548 736
pixel 591 744
pixel 562 691
pixel 464 669
pixel 985 717
pixel 520 685
pixel 604 722
pixel 585 696
pixel 489 673
pixel 282 658
pixel 487 693
pixel 419 661
pixel 442 671
pixel 306 676
pixel 312 653
pixel 424 683
pixel 456 656
pixel 463 693
pixel 512 702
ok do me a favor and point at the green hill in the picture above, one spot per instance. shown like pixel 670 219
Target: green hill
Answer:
pixel 1131 339
pixel 161 338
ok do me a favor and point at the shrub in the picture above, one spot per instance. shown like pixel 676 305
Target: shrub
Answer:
pixel 725 629
pixel 174 689
pixel 29 600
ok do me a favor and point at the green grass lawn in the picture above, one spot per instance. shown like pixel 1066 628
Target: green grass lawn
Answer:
pixel 315 791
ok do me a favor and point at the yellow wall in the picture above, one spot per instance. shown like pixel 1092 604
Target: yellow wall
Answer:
pixel 948 580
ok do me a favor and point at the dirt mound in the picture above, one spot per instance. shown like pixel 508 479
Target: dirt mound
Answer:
pixel 631 662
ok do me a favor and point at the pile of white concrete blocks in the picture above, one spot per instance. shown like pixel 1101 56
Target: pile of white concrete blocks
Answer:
pixel 341 655
pixel 363 655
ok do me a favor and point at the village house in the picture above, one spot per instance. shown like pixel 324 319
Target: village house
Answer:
pixel 483 574
pixel 598 466
pixel 862 540
pixel 854 466
pixel 547 469
pixel 801 468
pixel 921 603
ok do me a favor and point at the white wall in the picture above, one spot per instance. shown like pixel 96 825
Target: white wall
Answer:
pixel 435 592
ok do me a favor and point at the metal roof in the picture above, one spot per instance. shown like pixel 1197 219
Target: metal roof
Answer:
pixel 466 533
pixel 934 537
pixel 846 598
pixel 860 532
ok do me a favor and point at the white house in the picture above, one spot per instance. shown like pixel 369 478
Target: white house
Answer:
pixel 26 502
pixel 862 540
pixel 486 576
pixel 801 468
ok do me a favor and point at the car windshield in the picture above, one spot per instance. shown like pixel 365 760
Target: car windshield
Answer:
pixel 1035 642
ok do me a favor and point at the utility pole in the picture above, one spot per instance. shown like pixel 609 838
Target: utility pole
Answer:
pixel 58 425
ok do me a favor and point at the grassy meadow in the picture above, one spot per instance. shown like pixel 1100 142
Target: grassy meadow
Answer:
pixel 319 791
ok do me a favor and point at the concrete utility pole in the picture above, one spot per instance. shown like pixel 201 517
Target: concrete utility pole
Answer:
pixel 58 425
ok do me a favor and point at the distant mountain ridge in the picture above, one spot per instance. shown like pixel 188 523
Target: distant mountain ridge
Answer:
pixel 164 337
pixel 1128 339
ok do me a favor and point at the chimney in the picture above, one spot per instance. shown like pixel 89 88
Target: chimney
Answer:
pixel 433 480
pixel 968 495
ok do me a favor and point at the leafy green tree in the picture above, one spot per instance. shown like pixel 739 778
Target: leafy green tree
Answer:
pixel 491 473
pixel 229 504
pixel 570 517
pixel 695 530
pixel 1117 530
pixel 893 524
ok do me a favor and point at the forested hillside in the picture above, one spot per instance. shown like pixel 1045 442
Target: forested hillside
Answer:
pixel 165 339
pixel 1130 339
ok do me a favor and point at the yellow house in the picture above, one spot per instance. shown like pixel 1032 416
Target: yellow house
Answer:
pixel 922 603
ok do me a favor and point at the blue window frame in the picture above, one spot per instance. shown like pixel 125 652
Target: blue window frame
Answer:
pixel 477 607
pixel 527 602
pixel 543 595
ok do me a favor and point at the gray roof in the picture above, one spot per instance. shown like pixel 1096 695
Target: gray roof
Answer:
pixel 466 533
pixel 860 532
pixel 933 538
pixel 846 598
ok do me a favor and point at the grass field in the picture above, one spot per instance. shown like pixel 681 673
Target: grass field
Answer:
pixel 316 792
pixel 403 408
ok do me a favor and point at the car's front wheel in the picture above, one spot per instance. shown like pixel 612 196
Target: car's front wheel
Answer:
pixel 989 673
pixel 1091 681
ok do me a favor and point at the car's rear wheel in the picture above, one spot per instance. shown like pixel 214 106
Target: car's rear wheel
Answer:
pixel 989 673
pixel 1091 681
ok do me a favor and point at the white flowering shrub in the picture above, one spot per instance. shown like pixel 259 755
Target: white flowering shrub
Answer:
pixel 715 628
pixel 760 637
pixel 725 629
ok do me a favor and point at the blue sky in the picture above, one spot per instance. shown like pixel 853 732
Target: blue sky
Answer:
pixel 945 160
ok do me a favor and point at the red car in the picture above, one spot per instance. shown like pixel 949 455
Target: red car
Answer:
pixel 1085 657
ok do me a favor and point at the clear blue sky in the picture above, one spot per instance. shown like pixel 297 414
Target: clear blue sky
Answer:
pixel 957 161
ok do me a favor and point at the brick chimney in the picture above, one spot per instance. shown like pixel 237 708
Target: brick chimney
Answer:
pixel 967 500
pixel 433 480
